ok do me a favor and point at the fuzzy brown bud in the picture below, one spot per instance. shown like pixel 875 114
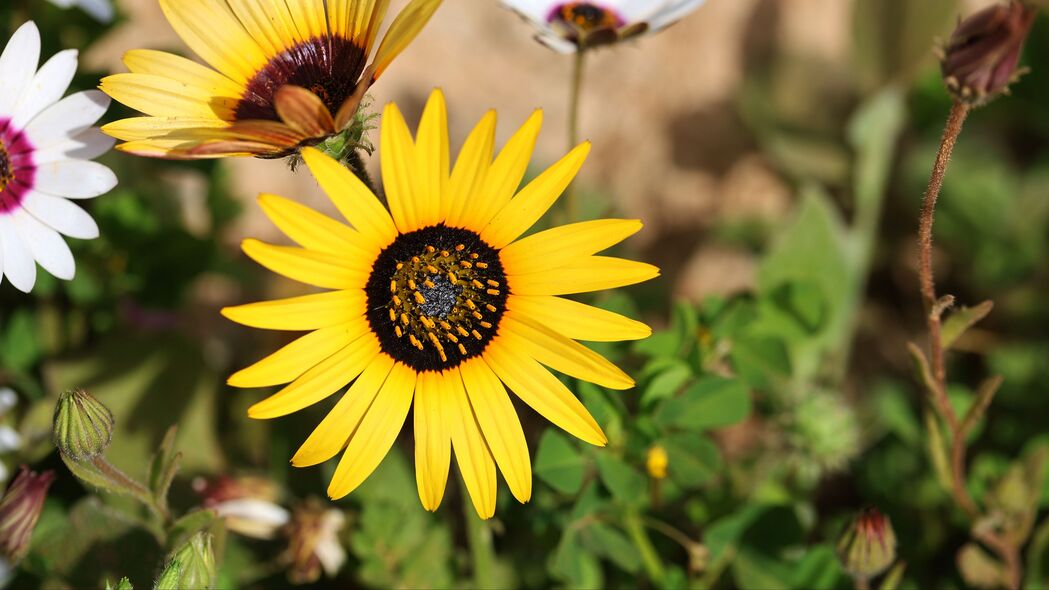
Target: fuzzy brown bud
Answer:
pixel 19 510
pixel 980 59
pixel 83 426
pixel 868 546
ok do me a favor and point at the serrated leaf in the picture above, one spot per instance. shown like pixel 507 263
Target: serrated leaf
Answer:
pixel 558 463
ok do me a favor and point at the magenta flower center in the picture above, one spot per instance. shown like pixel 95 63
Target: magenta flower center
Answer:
pixel 17 170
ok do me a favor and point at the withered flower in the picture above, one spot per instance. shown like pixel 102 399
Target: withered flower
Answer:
pixel 314 545
pixel 980 59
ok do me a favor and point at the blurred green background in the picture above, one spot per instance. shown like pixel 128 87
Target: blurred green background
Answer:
pixel 777 151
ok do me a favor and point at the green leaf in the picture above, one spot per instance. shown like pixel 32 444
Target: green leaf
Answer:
pixel 711 402
pixel 626 483
pixel 667 383
pixel 819 569
pixel 188 525
pixel 163 467
pixel 693 459
pixel 20 346
pixel 575 565
pixel 961 320
pixel 608 542
pixel 761 360
pixel 123 584
pixel 558 463
pixel 803 301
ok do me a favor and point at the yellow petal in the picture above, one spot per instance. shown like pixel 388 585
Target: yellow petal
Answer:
pixel 267 23
pixel 294 359
pixel 353 199
pixel 322 380
pixel 433 443
pixel 504 176
pixel 164 97
pixel 306 312
pixel 314 230
pixel 535 199
pixel 560 245
pixel 213 33
pixel 403 31
pixel 583 275
pixel 137 128
pixel 543 392
pixel 431 160
pixel 498 420
pixel 310 18
pixel 471 453
pixel 319 269
pixel 168 65
pixel 397 156
pixel 578 321
pixel 470 169
pixel 376 433
pixel 303 111
pixel 331 434
pixel 527 337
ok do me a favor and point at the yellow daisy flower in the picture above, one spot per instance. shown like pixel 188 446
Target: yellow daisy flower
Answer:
pixel 286 74
pixel 439 303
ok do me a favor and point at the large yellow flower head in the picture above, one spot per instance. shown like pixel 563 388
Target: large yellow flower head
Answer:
pixel 439 302
pixel 286 75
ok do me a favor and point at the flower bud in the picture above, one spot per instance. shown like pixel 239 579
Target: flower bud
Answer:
pixel 19 510
pixel 83 427
pixel 868 546
pixel 980 59
pixel 656 462
pixel 190 566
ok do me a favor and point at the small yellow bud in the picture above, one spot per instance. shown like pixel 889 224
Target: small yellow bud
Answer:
pixel 656 462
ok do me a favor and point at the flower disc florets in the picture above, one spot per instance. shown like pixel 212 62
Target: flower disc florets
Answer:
pixel 435 297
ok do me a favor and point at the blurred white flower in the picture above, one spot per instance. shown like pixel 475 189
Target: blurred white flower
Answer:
pixel 568 26
pixel 46 147
pixel 9 439
pixel 100 10
pixel 248 504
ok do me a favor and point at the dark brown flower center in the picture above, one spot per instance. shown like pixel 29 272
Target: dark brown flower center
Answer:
pixel 328 67
pixel 6 170
pixel 435 297
pixel 585 16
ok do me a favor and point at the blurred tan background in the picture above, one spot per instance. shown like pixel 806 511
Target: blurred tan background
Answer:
pixel 668 144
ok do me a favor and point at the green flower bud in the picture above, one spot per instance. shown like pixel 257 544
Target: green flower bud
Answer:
pixel 83 427
pixel 19 510
pixel 190 566
pixel 868 546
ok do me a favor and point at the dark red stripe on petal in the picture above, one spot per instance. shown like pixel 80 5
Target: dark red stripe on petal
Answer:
pixel 327 67
pixel 17 170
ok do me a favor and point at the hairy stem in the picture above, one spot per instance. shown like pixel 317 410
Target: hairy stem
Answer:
pixel 933 310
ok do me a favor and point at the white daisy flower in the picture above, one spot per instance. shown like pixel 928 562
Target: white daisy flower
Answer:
pixel 46 144
pixel 100 10
pixel 9 439
pixel 567 26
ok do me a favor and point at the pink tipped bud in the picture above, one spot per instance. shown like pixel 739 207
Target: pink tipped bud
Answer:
pixel 19 510
pixel 981 56
pixel 868 546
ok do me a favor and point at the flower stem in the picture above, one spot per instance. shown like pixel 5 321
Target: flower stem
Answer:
pixel 933 308
pixel 574 100
pixel 649 556
pixel 479 538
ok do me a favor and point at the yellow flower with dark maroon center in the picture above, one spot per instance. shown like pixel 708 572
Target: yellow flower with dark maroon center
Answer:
pixel 286 75
pixel 439 303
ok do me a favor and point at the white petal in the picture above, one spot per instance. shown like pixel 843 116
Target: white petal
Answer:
pixel 74 179
pixel 86 145
pixel 47 247
pixel 330 553
pixel 18 64
pixel 673 13
pixel 49 84
pixel 556 42
pixel 259 511
pixel 66 118
pixel 8 399
pixel 18 263
pixel 537 11
pixel 100 10
pixel 61 215
pixel 9 440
